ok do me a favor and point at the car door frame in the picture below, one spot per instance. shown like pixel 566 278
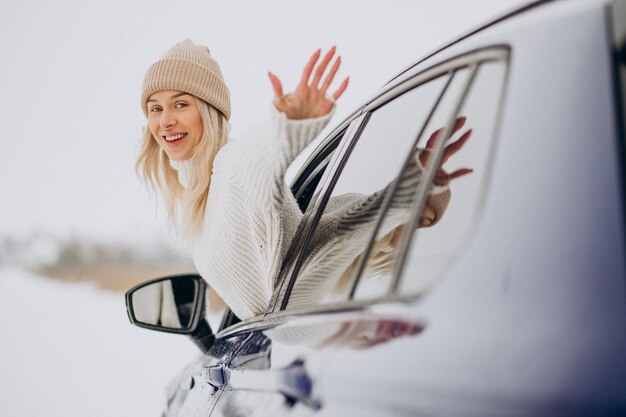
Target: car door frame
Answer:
pixel 317 204
pixel 348 133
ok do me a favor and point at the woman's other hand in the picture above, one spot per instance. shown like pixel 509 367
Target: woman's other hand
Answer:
pixel 310 98
pixel 441 176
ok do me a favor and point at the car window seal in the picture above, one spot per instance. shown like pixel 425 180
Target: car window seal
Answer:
pixel 485 54
pixel 319 166
pixel 338 135
pixel 338 131
pixel 339 160
pixel 302 235
pixel 345 306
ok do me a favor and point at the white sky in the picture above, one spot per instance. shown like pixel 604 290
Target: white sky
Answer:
pixel 71 74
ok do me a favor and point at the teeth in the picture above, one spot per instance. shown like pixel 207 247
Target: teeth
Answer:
pixel 176 137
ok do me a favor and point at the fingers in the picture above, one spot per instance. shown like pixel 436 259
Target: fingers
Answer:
pixel 322 66
pixel 341 89
pixel 308 100
pixel 331 75
pixel 460 172
pixel 450 149
pixel 442 178
pixel 276 85
pixel 319 73
pixel 458 124
pixel 306 73
pixel 455 146
pixel 428 216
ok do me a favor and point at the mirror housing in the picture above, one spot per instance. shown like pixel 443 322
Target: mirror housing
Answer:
pixel 172 304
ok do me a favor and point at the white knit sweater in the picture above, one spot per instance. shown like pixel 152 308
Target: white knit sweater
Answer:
pixel 249 223
pixel 251 217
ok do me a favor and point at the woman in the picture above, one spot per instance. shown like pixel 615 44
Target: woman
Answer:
pixel 228 198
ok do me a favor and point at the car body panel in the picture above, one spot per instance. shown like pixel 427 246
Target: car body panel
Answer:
pixel 530 318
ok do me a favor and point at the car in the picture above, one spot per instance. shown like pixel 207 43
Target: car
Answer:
pixel 511 303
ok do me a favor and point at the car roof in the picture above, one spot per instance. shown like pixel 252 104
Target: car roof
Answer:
pixel 406 73
pixel 517 10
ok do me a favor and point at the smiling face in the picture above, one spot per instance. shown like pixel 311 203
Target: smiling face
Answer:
pixel 174 121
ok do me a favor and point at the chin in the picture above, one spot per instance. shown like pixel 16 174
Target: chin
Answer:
pixel 178 158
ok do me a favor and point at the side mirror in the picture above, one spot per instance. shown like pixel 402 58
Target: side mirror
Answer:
pixel 173 304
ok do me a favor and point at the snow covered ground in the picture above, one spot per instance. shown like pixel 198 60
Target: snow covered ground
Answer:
pixel 69 350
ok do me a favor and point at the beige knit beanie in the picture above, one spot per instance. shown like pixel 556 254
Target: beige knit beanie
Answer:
pixel 190 68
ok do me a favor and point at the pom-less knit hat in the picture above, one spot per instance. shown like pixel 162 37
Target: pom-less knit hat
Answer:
pixel 190 68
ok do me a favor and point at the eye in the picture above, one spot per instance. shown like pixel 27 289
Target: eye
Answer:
pixel 155 109
pixel 181 105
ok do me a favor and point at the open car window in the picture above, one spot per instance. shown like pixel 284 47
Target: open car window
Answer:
pixel 346 218
pixel 381 183
pixel 449 201
pixel 432 251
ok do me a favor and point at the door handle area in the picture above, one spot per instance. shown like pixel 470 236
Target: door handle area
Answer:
pixel 293 381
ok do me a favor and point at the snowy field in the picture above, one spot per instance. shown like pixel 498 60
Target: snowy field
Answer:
pixel 69 350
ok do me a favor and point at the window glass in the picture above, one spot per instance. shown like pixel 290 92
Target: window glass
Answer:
pixel 434 249
pixel 349 217
pixel 449 211
pixel 376 279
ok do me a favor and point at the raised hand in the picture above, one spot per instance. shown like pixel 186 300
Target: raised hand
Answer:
pixel 310 99
pixel 441 176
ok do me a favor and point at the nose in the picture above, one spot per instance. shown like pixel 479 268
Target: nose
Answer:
pixel 167 120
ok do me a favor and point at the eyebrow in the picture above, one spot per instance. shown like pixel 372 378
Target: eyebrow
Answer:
pixel 172 97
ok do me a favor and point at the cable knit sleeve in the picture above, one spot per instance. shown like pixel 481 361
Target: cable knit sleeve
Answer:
pixel 345 228
pixel 266 150
pixel 251 216
pixel 365 209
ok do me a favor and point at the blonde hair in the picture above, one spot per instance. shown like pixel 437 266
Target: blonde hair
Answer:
pixel 153 168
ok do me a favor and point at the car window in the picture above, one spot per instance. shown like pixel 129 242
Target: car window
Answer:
pixel 376 275
pixel 434 245
pixel 348 218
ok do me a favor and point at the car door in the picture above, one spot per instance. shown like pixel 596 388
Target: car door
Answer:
pixel 279 368
pixel 520 287
pixel 432 329
pixel 393 276
pixel 265 373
